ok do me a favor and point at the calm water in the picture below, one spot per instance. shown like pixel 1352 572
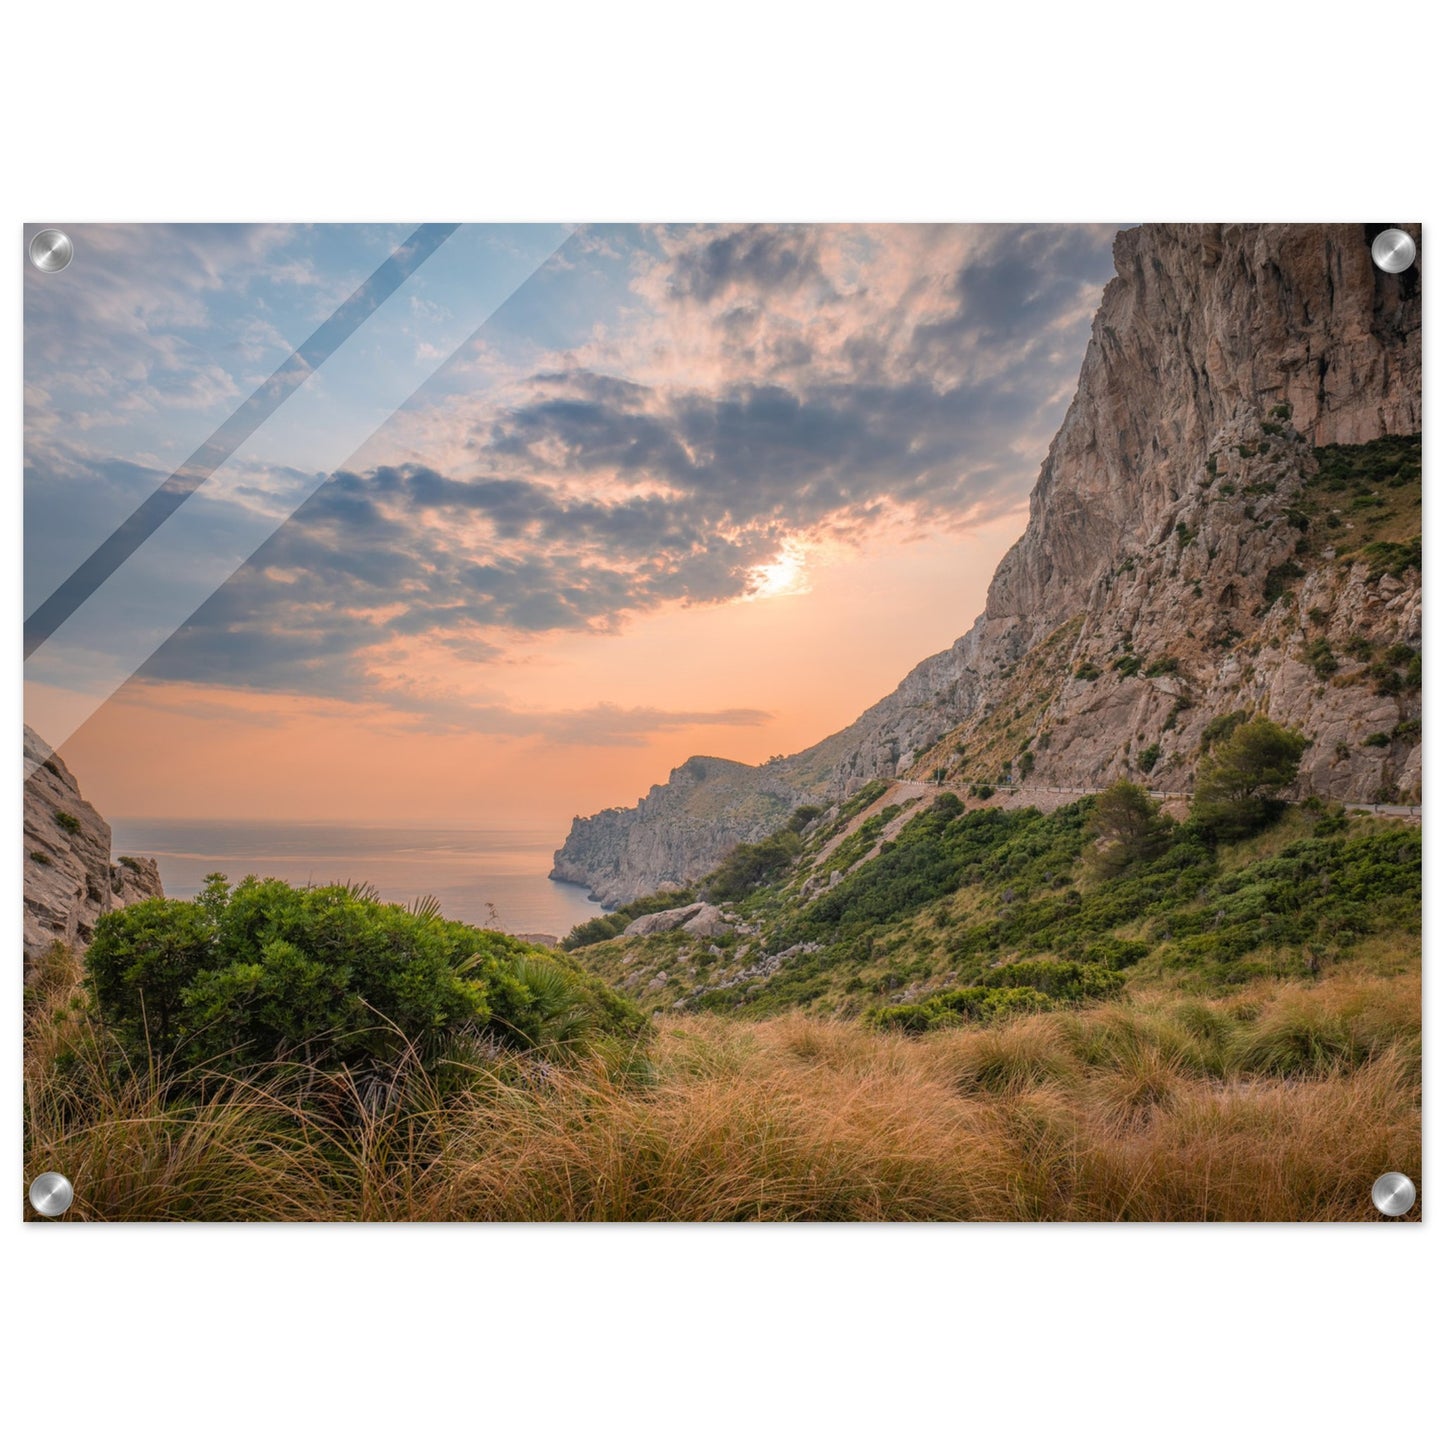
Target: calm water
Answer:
pixel 466 869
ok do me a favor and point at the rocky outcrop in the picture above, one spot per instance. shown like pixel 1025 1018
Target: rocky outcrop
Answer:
pixel 1176 522
pixel 70 879
pixel 677 832
pixel 701 920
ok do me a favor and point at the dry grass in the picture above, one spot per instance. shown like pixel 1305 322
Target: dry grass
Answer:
pixel 1282 1102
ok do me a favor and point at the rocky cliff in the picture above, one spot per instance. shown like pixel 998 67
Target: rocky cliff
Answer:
pixel 1227 520
pixel 679 830
pixel 70 879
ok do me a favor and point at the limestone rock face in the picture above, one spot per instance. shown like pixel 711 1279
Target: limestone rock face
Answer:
pixel 69 877
pixel 679 831
pixel 1166 525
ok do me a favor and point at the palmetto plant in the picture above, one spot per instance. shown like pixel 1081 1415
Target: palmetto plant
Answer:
pixel 560 1013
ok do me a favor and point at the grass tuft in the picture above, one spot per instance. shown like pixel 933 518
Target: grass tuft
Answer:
pixel 1283 1102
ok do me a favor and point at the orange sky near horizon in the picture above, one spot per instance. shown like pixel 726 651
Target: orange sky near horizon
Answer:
pixel 813 659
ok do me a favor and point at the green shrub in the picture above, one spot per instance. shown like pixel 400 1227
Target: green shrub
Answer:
pixel 328 975
pixel 1319 657
pixel 1394 558
pixel 1070 982
pixel 1129 665
pixel 1219 729
pixel 68 822
pixel 750 865
pixel 1378 740
pixel 1149 756
pixel 1116 953
pixel 1160 666
pixel 1236 788
pixel 959 1005
pixel 44 859
pixel 1388 682
pixel 1388 461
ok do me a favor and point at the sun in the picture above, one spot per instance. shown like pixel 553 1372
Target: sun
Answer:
pixel 785 576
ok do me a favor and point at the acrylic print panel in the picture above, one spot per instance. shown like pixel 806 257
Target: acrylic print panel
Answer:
pixel 723 722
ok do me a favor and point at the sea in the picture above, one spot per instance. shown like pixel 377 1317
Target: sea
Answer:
pixel 495 878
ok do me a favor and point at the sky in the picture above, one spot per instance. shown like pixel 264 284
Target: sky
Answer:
pixel 572 505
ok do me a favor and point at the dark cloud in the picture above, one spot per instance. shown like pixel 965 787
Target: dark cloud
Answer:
pixel 757 259
pixel 1009 298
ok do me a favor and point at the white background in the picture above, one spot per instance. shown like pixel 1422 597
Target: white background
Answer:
pixel 905 111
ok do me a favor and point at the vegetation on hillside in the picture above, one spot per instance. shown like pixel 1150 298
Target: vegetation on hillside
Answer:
pixel 924 1010
pixel 986 1015
pixel 970 913
pixel 1281 1102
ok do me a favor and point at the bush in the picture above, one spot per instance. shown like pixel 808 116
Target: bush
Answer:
pixel 1319 657
pixel 331 974
pixel 750 865
pixel 1235 793
pixel 1087 671
pixel 1129 828
pixel 802 817
pixel 1070 982
pixel 1395 558
pixel 69 823
pixel 959 1005
pixel 1219 729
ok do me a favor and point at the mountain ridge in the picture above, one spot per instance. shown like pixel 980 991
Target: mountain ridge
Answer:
pixel 1183 518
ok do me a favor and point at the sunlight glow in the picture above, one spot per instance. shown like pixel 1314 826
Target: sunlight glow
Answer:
pixel 784 576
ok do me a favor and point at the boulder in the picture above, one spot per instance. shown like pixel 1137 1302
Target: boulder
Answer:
pixel 701 920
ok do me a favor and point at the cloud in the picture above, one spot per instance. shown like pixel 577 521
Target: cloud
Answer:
pixel 705 401
pixel 603 725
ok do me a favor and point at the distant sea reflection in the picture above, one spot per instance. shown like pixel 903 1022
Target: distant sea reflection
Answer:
pixel 470 871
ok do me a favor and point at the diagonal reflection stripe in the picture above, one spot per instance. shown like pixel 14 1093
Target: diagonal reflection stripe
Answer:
pixel 261 404
pixel 116 630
